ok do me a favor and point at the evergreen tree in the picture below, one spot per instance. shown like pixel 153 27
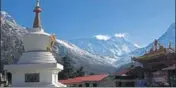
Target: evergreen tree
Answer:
pixel 68 71
pixel 80 72
pixel 91 74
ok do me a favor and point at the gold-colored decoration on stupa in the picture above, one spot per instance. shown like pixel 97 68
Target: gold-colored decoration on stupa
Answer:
pixel 52 39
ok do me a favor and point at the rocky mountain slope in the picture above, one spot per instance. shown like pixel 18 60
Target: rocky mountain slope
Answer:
pixel 11 36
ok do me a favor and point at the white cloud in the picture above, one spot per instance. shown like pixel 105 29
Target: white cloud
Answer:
pixel 120 35
pixel 102 37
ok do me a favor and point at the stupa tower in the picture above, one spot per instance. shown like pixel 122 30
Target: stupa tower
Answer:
pixel 37 66
pixel 37 10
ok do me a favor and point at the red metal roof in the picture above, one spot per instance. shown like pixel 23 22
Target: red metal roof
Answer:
pixel 84 79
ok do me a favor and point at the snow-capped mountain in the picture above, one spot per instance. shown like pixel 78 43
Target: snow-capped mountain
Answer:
pixel 11 34
pixel 114 46
pixel 6 16
pixel 168 36
pixel 92 63
pixel 12 49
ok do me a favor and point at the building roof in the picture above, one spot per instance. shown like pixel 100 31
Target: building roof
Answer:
pixel 170 68
pixel 91 78
pixel 122 72
pixel 156 52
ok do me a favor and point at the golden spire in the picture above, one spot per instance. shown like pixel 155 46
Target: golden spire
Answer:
pixel 37 11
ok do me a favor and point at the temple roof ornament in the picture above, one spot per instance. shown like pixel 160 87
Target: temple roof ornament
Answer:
pixel 155 50
pixel 170 45
pixel 156 42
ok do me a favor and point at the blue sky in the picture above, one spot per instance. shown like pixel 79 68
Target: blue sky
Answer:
pixel 141 20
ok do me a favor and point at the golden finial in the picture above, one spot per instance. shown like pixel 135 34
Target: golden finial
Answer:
pixel 37 10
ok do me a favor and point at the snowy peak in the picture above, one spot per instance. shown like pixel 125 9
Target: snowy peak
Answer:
pixel 112 46
pixel 6 16
pixel 168 36
pixel 171 30
pixel 91 62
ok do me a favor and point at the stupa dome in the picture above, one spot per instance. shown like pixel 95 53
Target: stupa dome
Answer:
pixel 36 41
pixel 35 45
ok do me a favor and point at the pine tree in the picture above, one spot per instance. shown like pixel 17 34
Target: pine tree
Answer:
pixel 80 72
pixel 92 73
pixel 68 71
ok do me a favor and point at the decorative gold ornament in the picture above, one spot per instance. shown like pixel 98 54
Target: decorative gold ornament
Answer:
pixel 52 39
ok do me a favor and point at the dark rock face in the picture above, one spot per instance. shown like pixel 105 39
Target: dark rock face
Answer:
pixel 11 42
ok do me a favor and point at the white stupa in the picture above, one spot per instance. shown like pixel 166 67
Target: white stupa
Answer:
pixel 37 67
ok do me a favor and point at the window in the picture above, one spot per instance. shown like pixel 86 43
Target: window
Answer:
pixel 172 78
pixel 129 84
pixel 74 85
pixel 116 77
pixel 80 85
pixel 94 85
pixel 87 84
pixel 32 77
pixel 9 77
pixel 118 84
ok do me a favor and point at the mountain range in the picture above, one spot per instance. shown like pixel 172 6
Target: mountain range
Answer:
pixel 114 46
pixel 12 49
pixel 168 37
pixel 95 54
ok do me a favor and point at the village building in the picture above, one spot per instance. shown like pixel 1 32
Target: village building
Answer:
pixel 158 65
pixel 85 81
pixel 37 67
pixel 171 71
pixel 123 78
